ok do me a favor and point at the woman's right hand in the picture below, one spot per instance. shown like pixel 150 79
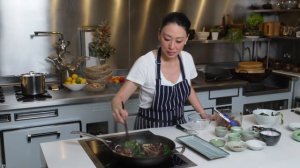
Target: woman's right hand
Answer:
pixel 119 114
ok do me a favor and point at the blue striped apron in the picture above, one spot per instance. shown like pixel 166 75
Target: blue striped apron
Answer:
pixel 168 102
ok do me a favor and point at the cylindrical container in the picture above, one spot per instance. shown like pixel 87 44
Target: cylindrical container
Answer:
pixel 32 83
pixel 268 28
pixel 276 28
pixel 214 35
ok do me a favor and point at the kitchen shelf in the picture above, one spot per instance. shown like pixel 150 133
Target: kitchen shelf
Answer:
pixel 285 38
pixel 294 74
pixel 227 41
pixel 246 39
pixel 209 41
pixel 276 10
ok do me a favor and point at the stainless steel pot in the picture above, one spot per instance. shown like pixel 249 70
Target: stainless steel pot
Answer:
pixel 33 83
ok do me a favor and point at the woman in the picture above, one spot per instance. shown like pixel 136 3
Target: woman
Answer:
pixel 164 78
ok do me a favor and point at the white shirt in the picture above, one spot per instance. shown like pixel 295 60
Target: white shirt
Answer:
pixel 143 72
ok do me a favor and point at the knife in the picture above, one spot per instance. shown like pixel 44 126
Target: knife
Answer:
pixel 190 132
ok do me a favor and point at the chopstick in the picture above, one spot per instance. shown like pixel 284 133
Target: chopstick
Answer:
pixel 125 122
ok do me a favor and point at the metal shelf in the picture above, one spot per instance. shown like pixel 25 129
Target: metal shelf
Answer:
pixel 227 41
pixel 276 10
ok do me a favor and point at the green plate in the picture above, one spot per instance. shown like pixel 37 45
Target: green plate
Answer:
pixel 296 135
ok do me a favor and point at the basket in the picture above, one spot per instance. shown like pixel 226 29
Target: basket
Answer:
pixel 103 79
pixel 97 72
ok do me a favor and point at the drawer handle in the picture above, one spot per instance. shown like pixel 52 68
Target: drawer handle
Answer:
pixel 36 115
pixel 30 136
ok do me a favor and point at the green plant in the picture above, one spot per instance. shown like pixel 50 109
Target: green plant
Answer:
pixel 254 20
pixel 235 35
pixel 214 29
pixel 100 45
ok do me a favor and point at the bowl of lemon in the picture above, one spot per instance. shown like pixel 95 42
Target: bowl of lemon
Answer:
pixel 75 82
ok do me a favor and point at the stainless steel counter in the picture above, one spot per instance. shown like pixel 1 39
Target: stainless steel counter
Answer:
pixel 66 97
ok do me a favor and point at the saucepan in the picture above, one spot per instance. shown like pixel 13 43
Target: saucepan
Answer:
pixel 32 83
pixel 148 150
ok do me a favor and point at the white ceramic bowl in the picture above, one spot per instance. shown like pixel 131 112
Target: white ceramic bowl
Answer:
pixel 236 146
pixel 254 144
pixel 266 117
pixel 202 35
pixel 75 87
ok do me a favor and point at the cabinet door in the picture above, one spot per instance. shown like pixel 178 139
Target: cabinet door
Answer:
pixel 22 146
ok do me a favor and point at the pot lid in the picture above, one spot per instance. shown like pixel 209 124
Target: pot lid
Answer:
pixel 32 74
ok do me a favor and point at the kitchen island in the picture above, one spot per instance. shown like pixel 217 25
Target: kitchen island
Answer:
pixel 69 153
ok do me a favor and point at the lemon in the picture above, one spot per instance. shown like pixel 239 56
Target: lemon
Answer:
pixel 69 79
pixel 83 81
pixel 68 82
pixel 74 76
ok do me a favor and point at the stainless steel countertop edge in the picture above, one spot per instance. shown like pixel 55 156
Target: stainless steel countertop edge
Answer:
pixel 65 97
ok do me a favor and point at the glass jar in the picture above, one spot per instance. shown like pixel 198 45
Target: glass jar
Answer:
pixel 290 4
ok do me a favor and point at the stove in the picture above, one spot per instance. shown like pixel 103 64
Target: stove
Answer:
pixel 274 83
pixel 30 98
pixel 103 158
pixel 2 99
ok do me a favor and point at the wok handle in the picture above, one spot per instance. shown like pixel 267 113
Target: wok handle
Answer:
pixel 105 142
pixel 180 152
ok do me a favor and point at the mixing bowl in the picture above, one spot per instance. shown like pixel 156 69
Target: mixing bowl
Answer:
pixel 195 122
pixel 266 117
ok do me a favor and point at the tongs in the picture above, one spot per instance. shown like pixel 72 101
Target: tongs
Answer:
pixel 226 118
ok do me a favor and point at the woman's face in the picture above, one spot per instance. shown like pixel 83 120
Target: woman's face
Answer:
pixel 172 38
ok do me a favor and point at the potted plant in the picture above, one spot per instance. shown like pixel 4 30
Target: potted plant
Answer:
pixel 214 32
pixel 235 35
pixel 100 46
pixel 253 23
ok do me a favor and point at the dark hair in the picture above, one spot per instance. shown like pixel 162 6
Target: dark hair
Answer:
pixel 177 17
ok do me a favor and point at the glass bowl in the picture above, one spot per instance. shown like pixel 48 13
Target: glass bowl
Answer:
pixel 195 122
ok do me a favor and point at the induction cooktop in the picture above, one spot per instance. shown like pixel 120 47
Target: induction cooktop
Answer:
pixel 103 158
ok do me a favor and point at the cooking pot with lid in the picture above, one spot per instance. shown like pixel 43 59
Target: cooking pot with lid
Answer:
pixel 32 83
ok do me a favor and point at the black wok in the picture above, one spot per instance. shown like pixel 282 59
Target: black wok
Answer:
pixel 112 142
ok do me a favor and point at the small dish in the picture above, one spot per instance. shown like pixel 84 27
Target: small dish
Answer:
pixel 237 146
pixel 296 135
pixel 254 144
pixel 236 129
pixel 220 131
pixel 234 137
pixel 247 135
pixel 294 126
pixel 217 142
